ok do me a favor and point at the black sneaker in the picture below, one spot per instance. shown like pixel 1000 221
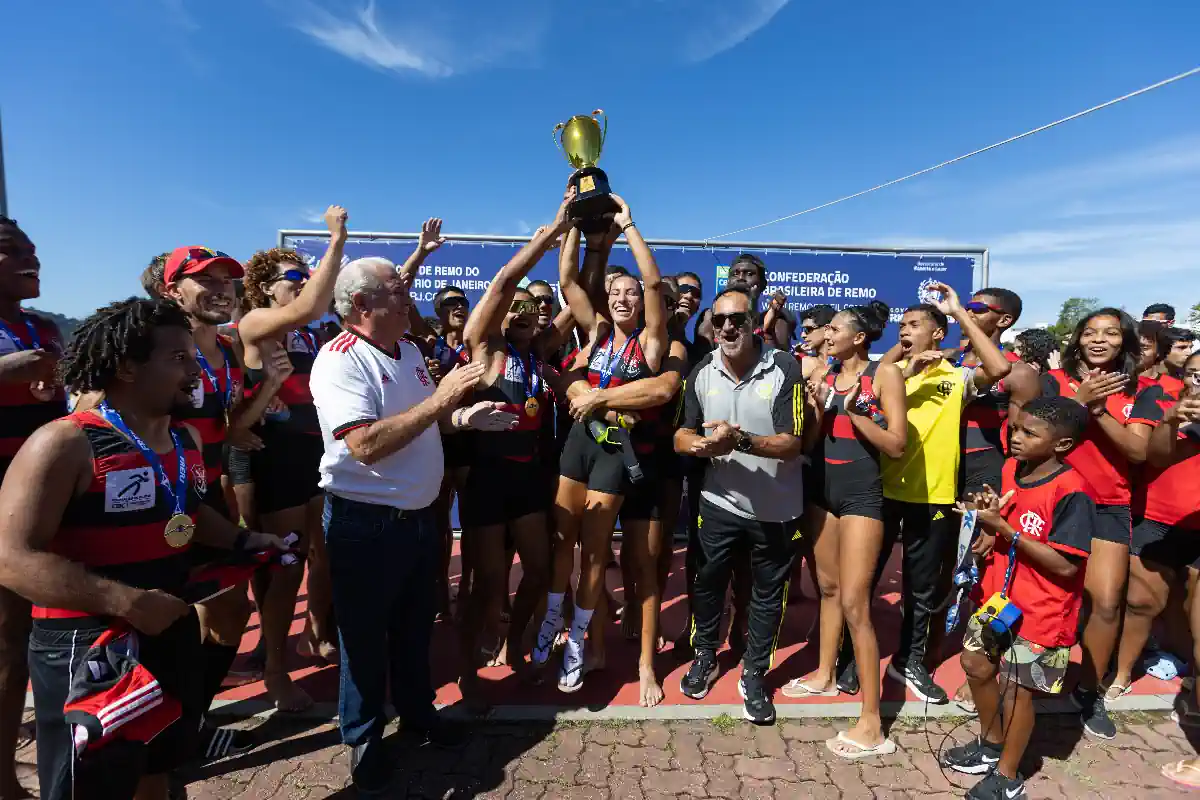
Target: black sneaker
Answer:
pixel 847 680
pixel 758 707
pixel 436 731
pixel 1094 714
pixel 701 675
pixel 217 743
pixel 997 787
pixel 973 758
pixel 370 768
pixel 918 679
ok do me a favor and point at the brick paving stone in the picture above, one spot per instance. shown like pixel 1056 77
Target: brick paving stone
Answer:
pixel 687 759
pixel 780 768
pixel 672 782
pixel 753 789
pixel 807 732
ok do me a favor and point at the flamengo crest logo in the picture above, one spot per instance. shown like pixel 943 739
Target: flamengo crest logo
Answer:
pixel 200 478
pixel 1032 524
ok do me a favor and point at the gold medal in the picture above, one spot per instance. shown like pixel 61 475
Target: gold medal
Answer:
pixel 42 391
pixel 531 407
pixel 179 531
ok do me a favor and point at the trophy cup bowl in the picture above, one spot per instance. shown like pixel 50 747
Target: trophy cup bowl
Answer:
pixel 581 140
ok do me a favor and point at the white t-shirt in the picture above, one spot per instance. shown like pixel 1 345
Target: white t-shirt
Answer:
pixel 354 383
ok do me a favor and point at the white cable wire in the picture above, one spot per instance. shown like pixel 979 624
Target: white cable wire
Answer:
pixel 1143 90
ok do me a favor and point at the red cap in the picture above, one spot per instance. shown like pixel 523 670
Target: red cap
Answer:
pixel 190 260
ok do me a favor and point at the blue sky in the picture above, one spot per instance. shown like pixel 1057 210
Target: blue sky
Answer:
pixel 133 126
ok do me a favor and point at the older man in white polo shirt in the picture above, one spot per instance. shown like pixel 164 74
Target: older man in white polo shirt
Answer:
pixel 380 416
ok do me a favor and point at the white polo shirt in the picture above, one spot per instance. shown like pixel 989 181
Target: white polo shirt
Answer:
pixel 354 383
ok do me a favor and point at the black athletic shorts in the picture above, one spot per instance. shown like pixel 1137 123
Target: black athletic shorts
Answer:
pixel 456 450
pixel 173 657
pixel 853 490
pixel 1113 524
pixel 813 478
pixel 286 471
pixel 978 469
pixel 501 490
pixel 602 469
pixel 1166 545
pixel 237 466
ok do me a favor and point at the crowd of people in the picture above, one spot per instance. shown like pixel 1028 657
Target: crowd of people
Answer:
pixel 191 455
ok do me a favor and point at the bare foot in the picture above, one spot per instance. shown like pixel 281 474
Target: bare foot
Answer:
pixel 651 693
pixel 286 695
pixel 498 657
pixel 323 651
pixel 866 734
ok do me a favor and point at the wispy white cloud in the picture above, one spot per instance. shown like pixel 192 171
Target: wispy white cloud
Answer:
pixel 523 228
pixel 179 15
pixel 724 25
pixel 434 41
pixel 312 216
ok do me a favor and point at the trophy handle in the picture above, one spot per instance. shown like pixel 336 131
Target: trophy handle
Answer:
pixel 558 139
pixel 604 131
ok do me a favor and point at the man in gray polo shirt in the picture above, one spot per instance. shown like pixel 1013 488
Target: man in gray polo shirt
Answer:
pixel 744 410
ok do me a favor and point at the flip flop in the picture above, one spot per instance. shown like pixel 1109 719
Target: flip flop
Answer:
pixel 1183 773
pixel 1116 692
pixel 798 689
pixel 854 751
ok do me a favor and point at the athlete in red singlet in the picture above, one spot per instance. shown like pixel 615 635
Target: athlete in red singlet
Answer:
pixel 1100 370
pixel 29 398
pixel 101 510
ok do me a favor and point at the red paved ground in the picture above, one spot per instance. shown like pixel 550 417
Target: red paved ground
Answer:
pixel 617 686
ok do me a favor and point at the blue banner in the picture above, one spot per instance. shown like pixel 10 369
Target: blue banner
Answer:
pixel 808 277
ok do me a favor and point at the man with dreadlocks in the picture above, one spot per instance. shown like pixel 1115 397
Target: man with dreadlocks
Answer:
pixel 97 516
pixel 29 398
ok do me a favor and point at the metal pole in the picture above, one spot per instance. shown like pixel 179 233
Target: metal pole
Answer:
pixel 3 187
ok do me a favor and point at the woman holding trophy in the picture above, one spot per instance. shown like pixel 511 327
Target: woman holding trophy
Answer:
pixel 606 469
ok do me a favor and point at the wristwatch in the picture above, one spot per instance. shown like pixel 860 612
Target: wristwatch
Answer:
pixel 744 442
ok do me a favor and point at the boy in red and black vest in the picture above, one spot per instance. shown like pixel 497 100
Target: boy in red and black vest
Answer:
pixel 1036 537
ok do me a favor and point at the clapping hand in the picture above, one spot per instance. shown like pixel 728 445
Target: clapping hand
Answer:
pixel 489 416
pixel 1097 386
pixel 719 443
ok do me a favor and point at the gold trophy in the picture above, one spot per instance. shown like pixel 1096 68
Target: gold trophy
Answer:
pixel 581 141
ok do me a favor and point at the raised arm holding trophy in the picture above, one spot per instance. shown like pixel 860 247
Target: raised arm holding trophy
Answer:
pixel 581 140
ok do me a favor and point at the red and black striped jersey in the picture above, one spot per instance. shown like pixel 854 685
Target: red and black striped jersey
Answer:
pixel 840 440
pixel 302 349
pixel 116 527
pixel 985 419
pixel 20 412
pixel 209 413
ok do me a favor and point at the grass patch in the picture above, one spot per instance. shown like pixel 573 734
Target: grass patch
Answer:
pixel 724 723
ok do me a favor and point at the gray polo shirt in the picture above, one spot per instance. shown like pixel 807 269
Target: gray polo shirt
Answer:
pixel 766 401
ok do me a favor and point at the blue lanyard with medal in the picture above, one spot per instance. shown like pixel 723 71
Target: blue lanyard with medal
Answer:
pixel 531 380
pixel 180 528
pixel 212 377
pixel 611 361
pixel 39 389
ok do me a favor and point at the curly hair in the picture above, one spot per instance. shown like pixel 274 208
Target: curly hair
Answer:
pixel 1037 344
pixel 260 269
pixel 113 333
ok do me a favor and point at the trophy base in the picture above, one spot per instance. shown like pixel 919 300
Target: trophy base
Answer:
pixel 592 199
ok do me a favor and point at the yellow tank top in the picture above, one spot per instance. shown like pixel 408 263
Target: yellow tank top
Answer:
pixel 928 472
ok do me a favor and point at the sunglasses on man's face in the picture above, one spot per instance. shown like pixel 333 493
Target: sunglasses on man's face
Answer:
pixel 454 302
pixel 738 319
pixel 523 307
pixel 694 291
pixel 808 330
pixel 979 307
pixel 544 299
pixel 293 275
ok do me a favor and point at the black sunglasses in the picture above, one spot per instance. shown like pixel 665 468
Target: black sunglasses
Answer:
pixel 738 318
pixel 453 302
pixel 694 291
pixel 544 299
